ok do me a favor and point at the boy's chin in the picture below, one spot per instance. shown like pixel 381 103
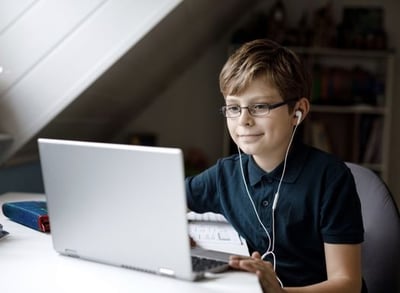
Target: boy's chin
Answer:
pixel 246 150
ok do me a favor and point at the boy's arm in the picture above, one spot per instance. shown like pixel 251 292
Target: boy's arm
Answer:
pixel 343 264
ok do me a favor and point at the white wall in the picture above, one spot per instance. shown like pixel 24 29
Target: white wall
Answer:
pixel 187 113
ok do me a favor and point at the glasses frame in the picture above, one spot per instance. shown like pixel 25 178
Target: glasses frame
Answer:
pixel 251 107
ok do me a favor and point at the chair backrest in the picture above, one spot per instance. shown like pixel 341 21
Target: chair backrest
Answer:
pixel 381 247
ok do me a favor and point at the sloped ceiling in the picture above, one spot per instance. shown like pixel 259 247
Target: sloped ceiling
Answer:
pixel 52 51
pixel 126 88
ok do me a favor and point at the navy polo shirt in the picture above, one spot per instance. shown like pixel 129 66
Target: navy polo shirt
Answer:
pixel 318 204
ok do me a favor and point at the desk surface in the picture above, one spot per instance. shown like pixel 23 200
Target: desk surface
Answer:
pixel 28 263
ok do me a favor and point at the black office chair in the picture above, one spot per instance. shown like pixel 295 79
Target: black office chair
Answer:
pixel 381 247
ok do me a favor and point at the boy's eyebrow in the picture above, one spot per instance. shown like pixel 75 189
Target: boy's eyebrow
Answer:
pixel 235 99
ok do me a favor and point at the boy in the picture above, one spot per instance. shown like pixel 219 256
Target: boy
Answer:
pixel 296 206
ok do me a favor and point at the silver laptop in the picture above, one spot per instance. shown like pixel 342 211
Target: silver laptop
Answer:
pixel 122 205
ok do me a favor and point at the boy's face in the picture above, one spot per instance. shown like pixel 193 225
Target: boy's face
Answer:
pixel 265 137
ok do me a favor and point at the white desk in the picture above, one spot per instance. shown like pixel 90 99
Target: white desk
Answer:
pixel 28 263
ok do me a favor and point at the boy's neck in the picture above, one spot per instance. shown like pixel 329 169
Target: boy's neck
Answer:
pixel 269 163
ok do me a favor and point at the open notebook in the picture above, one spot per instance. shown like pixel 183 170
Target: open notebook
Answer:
pixel 122 205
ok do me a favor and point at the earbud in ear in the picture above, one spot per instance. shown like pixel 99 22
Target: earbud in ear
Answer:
pixel 298 114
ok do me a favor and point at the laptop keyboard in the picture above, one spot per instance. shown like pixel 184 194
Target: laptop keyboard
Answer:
pixel 201 264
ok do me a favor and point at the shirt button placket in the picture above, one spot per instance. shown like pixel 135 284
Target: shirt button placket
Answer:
pixel 265 202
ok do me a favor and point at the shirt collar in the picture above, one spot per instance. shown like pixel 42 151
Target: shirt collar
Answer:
pixel 295 162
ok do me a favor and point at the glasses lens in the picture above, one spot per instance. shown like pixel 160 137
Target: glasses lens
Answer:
pixel 259 109
pixel 231 111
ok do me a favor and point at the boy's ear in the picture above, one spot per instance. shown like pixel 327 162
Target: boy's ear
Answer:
pixel 303 105
pixel 301 110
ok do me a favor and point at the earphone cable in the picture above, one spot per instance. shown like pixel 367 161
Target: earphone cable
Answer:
pixel 271 240
pixel 279 186
pixel 252 202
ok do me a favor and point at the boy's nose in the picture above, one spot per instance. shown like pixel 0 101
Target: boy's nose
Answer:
pixel 245 117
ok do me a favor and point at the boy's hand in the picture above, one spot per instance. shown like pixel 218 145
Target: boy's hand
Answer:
pixel 263 269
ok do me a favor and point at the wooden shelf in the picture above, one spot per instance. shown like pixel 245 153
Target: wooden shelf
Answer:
pixel 335 52
pixel 352 109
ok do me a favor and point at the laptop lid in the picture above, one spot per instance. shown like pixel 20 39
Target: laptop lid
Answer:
pixel 123 205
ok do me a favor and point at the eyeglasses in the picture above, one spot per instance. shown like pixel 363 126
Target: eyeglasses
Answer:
pixel 255 110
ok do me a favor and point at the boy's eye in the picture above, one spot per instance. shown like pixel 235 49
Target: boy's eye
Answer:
pixel 233 108
pixel 261 107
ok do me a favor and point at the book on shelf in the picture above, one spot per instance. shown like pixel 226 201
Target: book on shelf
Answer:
pixel 334 85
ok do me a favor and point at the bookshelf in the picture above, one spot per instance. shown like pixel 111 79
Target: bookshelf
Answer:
pixel 351 104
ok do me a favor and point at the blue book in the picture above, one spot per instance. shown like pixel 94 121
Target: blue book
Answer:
pixel 32 214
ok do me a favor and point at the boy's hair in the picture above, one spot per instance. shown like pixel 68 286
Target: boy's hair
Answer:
pixel 265 58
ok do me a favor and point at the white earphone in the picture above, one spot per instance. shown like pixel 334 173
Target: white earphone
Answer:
pixel 298 114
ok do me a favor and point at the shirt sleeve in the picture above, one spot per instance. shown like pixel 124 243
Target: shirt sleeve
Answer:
pixel 201 191
pixel 341 218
